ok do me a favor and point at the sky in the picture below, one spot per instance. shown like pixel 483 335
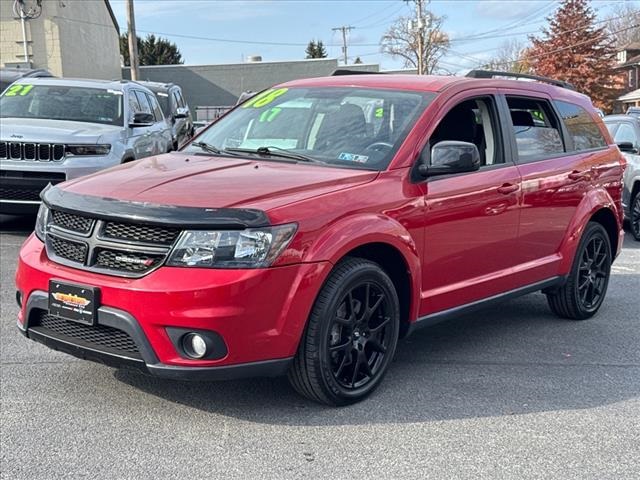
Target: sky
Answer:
pixel 216 31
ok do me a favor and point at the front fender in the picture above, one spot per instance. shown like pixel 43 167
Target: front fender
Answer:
pixel 592 202
pixel 355 231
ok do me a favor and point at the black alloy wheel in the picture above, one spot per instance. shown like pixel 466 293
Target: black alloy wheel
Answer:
pixel 635 217
pixel 585 289
pixel 351 335
pixel 359 335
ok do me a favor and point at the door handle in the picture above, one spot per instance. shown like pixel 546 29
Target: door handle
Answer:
pixel 578 175
pixel 508 188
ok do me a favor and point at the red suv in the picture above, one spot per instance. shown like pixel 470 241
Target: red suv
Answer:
pixel 317 223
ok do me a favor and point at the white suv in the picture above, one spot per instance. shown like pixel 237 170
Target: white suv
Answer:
pixel 52 130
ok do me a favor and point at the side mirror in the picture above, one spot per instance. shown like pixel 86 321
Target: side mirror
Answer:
pixel 181 112
pixel 451 157
pixel 142 119
pixel 627 147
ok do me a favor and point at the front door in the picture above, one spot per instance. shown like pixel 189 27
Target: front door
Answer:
pixel 472 219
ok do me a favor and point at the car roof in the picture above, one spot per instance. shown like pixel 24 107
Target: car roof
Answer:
pixel 80 82
pixel 157 86
pixel 622 118
pixel 431 83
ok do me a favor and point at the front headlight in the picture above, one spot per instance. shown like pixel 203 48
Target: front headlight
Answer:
pixel 86 150
pixel 251 248
pixel 41 221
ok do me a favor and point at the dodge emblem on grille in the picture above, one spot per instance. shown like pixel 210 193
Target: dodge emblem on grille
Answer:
pixel 147 262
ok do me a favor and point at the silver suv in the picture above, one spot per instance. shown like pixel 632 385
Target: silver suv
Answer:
pixel 52 130
pixel 625 130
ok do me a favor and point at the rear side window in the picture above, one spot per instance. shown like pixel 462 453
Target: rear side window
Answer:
pixel 582 129
pixel 535 128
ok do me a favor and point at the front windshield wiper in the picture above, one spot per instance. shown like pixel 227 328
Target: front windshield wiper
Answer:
pixel 213 149
pixel 279 152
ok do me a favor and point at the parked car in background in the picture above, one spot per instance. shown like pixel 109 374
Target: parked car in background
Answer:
pixel 299 235
pixel 10 75
pixel 52 130
pixel 635 111
pixel 625 130
pixel 175 110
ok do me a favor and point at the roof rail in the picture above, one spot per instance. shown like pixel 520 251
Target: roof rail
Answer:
pixel 344 71
pixel 495 73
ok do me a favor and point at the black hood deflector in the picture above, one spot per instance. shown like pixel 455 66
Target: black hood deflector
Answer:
pixel 153 214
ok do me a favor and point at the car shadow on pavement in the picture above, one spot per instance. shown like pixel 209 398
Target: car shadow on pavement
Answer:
pixel 515 359
pixel 17 224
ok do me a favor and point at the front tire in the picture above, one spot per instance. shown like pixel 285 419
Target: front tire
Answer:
pixel 583 293
pixel 634 222
pixel 351 335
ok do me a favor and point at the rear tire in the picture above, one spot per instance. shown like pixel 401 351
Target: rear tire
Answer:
pixel 351 335
pixel 634 222
pixel 584 291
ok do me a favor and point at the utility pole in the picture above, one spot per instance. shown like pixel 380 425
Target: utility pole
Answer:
pixel 133 41
pixel 420 28
pixel 344 29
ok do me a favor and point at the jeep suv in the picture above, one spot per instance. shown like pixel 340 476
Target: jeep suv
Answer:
pixel 175 110
pixel 53 130
pixel 318 222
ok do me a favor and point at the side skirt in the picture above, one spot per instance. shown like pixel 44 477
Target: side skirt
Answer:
pixel 454 312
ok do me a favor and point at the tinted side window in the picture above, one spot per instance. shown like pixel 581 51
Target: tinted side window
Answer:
pixel 155 107
pixel 178 98
pixel 581 126
pixel 134 106
pixel 144 103
pixel 535 128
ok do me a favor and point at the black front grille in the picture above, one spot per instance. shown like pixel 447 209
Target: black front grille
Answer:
pixel 141 233
pixel 107 338
pixel 132 262
pixel 73 251
pixel 20 194
pixel 69 221
pixel 32 151
pixel 29 151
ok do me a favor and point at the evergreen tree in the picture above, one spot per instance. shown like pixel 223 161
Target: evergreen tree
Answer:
pixel 573 49
pixel 152 50
pixel 315 49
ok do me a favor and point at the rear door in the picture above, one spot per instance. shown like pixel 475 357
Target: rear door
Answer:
pixel 471 222
pixel 557 170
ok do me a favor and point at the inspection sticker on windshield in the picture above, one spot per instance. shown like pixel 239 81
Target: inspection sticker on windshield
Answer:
pixel 352 157
pixel 114 92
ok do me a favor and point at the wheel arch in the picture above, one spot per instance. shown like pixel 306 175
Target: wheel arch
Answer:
pixel 395 265
pixel 382 240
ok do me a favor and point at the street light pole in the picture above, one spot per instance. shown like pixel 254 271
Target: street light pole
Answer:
pixel 133 41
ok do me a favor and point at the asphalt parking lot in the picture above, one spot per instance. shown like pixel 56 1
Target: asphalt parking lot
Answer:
pixel 510 392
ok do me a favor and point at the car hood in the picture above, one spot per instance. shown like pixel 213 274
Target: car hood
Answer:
pixel 216 182
pixel 53 131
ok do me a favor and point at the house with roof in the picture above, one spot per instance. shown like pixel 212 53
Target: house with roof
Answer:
pixel 629 68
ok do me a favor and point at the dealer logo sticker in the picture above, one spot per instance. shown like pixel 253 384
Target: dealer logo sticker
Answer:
pixel 71 300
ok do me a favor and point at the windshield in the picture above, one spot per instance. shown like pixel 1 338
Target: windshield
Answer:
pixel 163 100
pixel 56 102
pixel 351 127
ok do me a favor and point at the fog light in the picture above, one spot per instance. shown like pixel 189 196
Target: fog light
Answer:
pixel 194 345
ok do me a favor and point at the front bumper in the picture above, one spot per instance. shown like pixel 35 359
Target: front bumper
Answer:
pixel 260 314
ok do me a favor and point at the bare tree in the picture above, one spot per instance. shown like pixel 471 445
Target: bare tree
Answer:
pixel 401 41
pixel 509 57
pixel 621 21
